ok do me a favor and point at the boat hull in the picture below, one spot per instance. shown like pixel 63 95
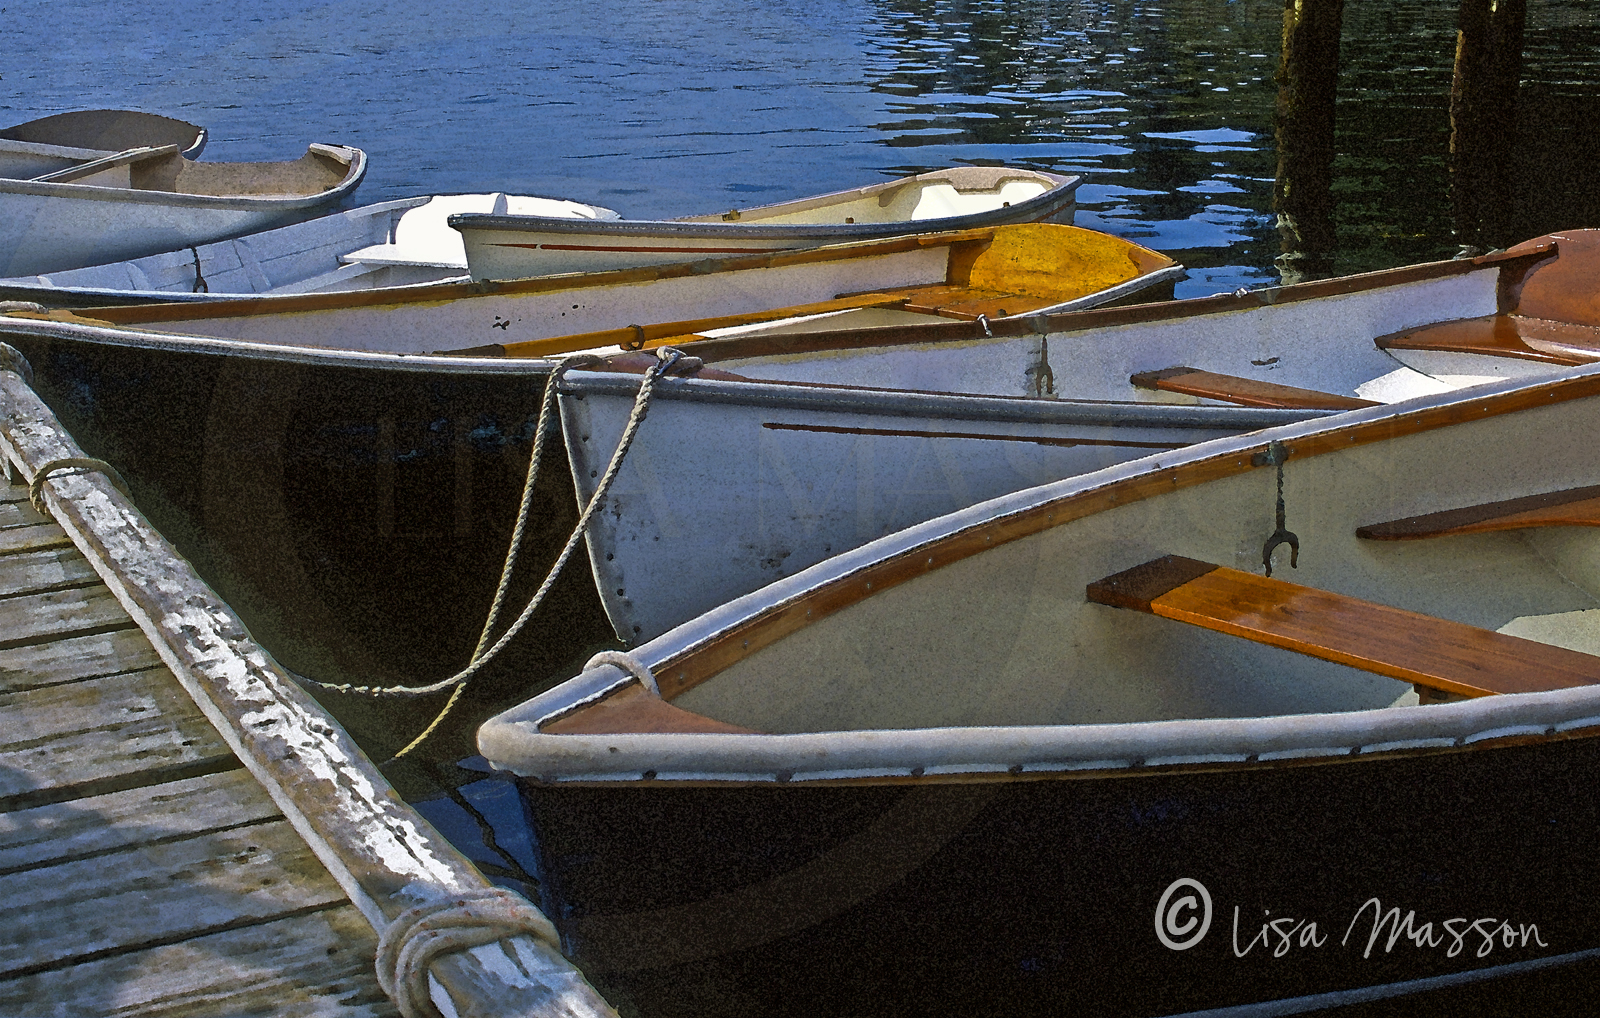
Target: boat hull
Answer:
pixel 46 227
pixel 1016 896
pixel 355 513
pixel 798 473
pixel 390 244
pixel 513 247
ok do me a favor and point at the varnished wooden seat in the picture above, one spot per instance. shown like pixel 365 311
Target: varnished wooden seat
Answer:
pixel 1243 391
pixel 1518 336
pixel 634 709
pixel 1435 654
pixel 1574 507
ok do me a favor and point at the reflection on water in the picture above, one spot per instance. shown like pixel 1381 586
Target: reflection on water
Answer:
pixel 686 106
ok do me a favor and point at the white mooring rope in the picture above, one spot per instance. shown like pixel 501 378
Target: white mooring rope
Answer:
pixel 666 359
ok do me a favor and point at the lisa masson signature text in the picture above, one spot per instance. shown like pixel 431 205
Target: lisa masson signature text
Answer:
pixel 1455 935
pixel 1183 917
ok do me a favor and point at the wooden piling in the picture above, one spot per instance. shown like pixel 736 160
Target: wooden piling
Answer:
pixel 1483 119
pixel 182 828
pixel 1308 83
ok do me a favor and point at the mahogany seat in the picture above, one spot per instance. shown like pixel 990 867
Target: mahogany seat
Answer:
pixel 1433 653
pixel 1574 507
pixel 1518 336
pixel 1243 391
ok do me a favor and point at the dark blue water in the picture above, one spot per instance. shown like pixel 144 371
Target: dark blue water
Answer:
pixel 673 107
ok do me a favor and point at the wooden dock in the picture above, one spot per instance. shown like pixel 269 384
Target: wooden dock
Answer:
pixel 145 870
pixel 183 830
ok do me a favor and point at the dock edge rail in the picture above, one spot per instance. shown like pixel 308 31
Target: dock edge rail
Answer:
pixel 386 858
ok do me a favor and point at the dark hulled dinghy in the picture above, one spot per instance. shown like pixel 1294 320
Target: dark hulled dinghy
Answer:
pixel 1068 752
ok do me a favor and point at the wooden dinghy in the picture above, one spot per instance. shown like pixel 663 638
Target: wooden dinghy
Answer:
pixel 1036 268
pixel 392 243
pixel 800 471
pixel 1376 337
pixel 144 199
pixel 1070 751
pixel 501 246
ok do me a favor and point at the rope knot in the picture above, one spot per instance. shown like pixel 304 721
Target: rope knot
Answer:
pixel 420 935
pixel 628 663
pixel 36 488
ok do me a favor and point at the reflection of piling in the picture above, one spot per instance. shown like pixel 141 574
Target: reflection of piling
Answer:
pixel 1483 118
pixel 1308 80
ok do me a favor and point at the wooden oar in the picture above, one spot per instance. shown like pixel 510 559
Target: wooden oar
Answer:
pixel 125 157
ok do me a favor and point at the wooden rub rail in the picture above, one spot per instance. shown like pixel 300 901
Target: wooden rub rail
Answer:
pixel 1433 653
pixel 182 828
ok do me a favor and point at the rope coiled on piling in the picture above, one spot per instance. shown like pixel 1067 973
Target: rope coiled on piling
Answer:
pixel 417 936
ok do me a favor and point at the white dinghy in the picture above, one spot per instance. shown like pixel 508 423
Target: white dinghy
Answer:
pixel 65 139
pixel 826 440
pixel 1376 337
pixel 501 246
pixel 94 206
pixel 393 243
pixel 967 274
pixel 800 471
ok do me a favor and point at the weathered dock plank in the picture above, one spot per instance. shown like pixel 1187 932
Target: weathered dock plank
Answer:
pixel 317 965
pixel 30 618
pixel 309 965
pixel 27 538
pixel 152 894
pixel 34 572
pixel 94 825
pixel 101 735
pixel 19 512
pixel 75 658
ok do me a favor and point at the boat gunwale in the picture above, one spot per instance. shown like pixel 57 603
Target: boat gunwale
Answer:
pixel 355 169
pixel 699 649
pixel 260 304
pixel 324 357
pixel 1045 323
pixel 883 401
pixel 1040 206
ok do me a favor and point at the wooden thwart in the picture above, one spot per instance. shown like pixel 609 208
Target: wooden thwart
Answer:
pixel 1518 336
pixel 1574 507
pixel 1431 652
pixel 1243 391
pixel 93 166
